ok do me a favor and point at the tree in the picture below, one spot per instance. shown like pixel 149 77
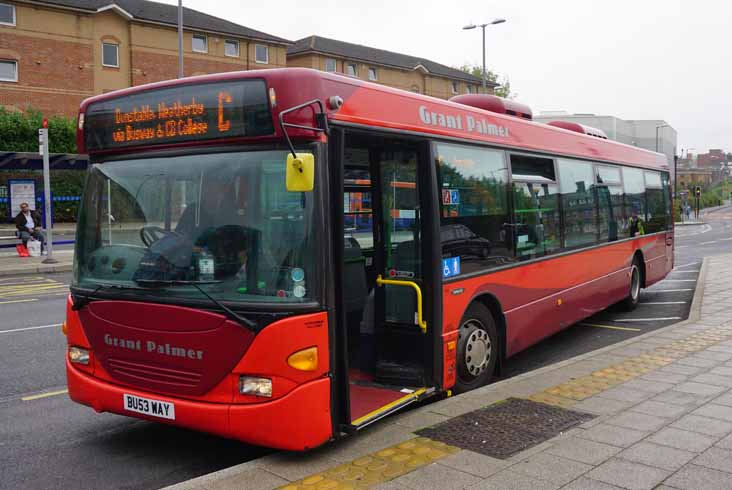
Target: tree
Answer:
pixel 504 85
pixel 19 132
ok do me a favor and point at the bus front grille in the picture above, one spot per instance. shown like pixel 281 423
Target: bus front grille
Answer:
pixel 136 372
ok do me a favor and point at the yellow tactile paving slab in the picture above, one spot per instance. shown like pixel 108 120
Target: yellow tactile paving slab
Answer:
pixel 567 394
pixel 379 467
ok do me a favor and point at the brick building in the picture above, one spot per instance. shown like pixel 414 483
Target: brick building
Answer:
pixel 386 67
pixel 55 53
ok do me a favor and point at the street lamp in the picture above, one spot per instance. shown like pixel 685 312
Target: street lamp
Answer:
pixel 483 26
pixel 180 38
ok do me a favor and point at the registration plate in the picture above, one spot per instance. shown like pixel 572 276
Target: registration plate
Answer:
pixel 146 406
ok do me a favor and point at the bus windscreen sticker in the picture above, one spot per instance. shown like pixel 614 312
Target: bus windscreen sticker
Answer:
pixel 178 114
pixel 451 267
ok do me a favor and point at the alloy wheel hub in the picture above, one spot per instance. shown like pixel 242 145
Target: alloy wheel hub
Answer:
pixel 477 352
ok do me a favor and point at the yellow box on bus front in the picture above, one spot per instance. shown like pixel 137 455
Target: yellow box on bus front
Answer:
pixel 300 174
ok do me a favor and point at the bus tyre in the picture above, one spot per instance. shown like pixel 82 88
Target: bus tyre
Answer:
pixel 477 349
pixel 631 301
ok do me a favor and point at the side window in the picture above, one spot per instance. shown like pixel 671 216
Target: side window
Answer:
pixel 656 204
pixel 635 200
pixel 610 202
pixel 666 184
pixel 537 221
pixel 579 203
pixel 474 208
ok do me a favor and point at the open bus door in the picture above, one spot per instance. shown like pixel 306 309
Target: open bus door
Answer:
pixel 386 280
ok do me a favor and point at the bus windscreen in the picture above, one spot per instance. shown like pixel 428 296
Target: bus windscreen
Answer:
pixel 178 114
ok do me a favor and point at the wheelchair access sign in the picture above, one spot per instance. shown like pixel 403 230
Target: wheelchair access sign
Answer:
pixel 450 267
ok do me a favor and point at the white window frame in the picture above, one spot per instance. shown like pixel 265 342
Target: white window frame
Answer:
pixel 355 69
pixel 13 23
pixel 117 47
pixel 376 74
pixel 235 43
pixel 205 43
pixel 14 62
pixel 455 86
pixel 266 50
pixel 335 65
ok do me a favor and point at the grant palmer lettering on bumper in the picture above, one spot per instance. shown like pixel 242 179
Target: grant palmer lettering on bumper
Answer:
pixel 153 347
pixel 470 124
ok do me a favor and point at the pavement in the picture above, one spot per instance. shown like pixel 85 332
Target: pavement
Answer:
pixel 11 264
pixel 655 413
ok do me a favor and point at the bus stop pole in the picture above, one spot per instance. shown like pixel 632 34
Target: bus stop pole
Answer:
pixel 43 136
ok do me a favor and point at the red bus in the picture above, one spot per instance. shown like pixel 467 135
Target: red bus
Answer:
pixel 286 256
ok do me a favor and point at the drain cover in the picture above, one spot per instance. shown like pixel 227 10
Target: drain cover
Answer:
pixel 505 428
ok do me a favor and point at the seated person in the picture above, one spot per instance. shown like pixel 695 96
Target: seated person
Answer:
pixel 28 224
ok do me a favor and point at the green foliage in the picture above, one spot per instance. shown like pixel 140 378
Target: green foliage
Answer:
pixel 504 85
pixel 64 183
pixel 19 132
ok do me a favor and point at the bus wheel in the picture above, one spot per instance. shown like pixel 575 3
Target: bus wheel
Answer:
pixel 633 298
pixel 477 349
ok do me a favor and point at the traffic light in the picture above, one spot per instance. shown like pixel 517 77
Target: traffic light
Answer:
pixel 697 191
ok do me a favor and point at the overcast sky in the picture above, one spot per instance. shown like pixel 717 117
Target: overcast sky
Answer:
pixel 634 59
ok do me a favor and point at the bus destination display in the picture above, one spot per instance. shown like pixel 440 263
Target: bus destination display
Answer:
pixel 178 114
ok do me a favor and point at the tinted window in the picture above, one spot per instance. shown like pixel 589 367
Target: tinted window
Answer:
pixel 635 203
pixel 655 202
pixel 474 210
pixel 330 64
pixel 611 214
pixel 608 175
pixel 579 203
pixel 8 71
pixel 536 228
pixel 532 168
pixel 7 14
pixel 665 183
pixel 199 43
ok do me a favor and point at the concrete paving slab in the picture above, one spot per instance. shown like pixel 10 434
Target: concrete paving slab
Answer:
pixel 623 394
pixel 474 463
pixel 584 483
pixel 664 457
pixel 552 468
pixel 715 410
pixel 667 410
pixel 715 458
pixel 702 389
pixel 254 479
pixel 627 474
pixel 639 421
pixel 613 435
pixel 511 480
pixel 437 477
pixel 583 450
pixel 724 399
pixel 703 425
pixel 602 406
pixel 693 477
pixel 683 399
pixel 682 439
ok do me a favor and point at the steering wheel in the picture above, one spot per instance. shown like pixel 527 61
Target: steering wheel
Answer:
pixel 151 234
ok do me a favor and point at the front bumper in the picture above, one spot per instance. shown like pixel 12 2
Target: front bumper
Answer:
pixel 297 421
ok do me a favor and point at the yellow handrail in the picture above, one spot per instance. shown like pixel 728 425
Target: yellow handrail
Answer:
pixel 420 320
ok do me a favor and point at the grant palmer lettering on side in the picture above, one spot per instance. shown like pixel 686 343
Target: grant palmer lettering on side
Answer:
pixel 152 347
pixel 470 123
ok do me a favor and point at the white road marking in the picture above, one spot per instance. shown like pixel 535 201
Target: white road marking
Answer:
pixel 30 328
pixel 44 395
pixel 611 327
pixel 685 265
pixel 707 243
pixel 683 272
pixel 724 239
pixel 646 319
pixel 679 280
pixel 664 303
pixel 665 290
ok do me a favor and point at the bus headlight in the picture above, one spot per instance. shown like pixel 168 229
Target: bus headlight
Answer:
pixel 255 386
pixel 79 355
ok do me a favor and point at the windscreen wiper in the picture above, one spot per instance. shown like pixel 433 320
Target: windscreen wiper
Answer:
pixel 196 284
pixel 81 300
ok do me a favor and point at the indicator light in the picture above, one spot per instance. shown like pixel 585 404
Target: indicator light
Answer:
pixel 304 360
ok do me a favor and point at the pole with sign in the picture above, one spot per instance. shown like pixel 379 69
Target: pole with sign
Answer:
pixel 43 149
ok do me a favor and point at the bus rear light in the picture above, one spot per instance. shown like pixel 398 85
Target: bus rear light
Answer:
pixel 78 355
pixel 304 360
pixel 64 328
pixel 255 386
pixel 272 97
